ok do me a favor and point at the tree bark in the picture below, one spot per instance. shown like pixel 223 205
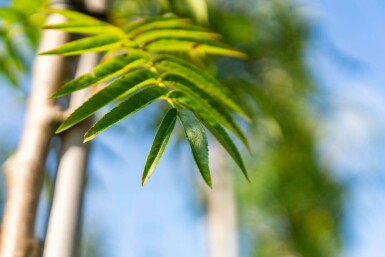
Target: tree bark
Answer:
pixel 24 171
pixel 221 208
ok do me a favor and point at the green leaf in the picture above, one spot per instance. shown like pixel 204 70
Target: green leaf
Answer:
pixel 10 14
pixel 197 138
pixel 159 145
pixel 201 79
pixel 131 105
pixel 104 71
pixel 181 99
pixel 209 47
pixel 131 82
pixel 221 135
pixel 158 23
pixel 86 27
pixel 10 49
pixel 153 35
pixel 97 43
pixel 8 72
pixel 72 15
pixel 204 103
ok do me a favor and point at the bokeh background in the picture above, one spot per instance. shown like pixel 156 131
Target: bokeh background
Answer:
pixel 314 82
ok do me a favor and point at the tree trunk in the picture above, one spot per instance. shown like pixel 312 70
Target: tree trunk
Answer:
pixel 64 219
pixel 24 171
pixel 221 208
pixel 63 226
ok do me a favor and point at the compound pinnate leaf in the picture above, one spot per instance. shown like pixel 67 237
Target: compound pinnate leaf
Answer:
pixel 120 86
pixel 159 144
pixel 98 43
pixel 197 138
pixel 132 104
pixel 140 79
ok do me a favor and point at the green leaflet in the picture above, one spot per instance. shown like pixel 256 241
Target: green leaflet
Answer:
pixel 86 27
pixel 209 47
pixel 120 86
pixel 159 144
pixel 96 43
pixel 204 103
pixel 10 14
pixel 197 138
pixel 215 50
pixel 153 35
pixel 202 80
pixel 104 71
pixel 216 129
pixel 9 48
pixel 8 72
pixel 158 23
pixel 72 15
pixel 131 105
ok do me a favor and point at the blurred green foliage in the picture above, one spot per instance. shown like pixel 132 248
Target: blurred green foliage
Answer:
pixel 19 36
pixel 293 206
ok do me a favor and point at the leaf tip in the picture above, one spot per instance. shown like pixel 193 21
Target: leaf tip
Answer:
pixel 246 175
pixel 60 129
pixel 87 139
pixel 54 96
pixel 144 181
pixel 88 136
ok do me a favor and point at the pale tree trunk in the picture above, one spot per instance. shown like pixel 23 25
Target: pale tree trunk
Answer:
pixel 221 208
pixel 70 178
pixel 24 171
pixel 63 226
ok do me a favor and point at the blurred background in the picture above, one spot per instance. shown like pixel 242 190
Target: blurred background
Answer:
pixel 314 85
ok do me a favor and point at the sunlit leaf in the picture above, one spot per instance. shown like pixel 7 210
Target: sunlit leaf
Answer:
pixel 120 86
pixel 197 138
pixel 179 45
pixel 158 23
pixel 85 27
pixel 154 35
pixel 201 79
pixel 159 145
pixel 104 71
pixel 98 43
pixel 216 129
pixel 131 105
pixel 72 15
pixel 10 14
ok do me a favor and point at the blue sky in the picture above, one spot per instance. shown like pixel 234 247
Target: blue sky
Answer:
pixel 163 219
pixel 347 57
